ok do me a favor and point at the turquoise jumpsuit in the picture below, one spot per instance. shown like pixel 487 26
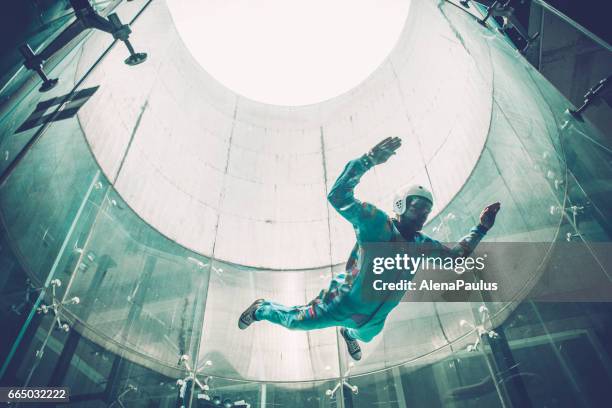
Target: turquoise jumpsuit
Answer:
pixel 342 304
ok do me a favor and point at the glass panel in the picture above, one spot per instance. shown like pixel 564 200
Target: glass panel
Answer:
pixel 312 395
pixel 442 379
pixel 138 289
pixel 560 352
pixel 265 352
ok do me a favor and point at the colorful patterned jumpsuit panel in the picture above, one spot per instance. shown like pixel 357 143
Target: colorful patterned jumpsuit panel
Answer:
pixel 341 304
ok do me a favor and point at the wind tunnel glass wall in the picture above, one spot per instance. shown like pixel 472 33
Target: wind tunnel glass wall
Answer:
pixel 89 206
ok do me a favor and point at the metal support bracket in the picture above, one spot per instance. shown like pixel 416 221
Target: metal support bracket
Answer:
pixel 86 18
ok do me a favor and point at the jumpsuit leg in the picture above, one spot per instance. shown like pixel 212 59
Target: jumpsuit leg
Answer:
pixel 368 331
pixel 308 317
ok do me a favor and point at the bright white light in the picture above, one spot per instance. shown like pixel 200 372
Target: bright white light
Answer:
pixel 290 52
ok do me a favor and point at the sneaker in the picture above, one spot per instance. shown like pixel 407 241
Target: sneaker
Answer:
pixel 248 316
pixel 352 345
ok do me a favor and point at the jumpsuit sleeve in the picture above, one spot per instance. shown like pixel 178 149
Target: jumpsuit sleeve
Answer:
pixel 465 246
pixel 371 224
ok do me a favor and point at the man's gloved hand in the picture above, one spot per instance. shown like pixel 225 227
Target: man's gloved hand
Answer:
pixel 487 216
pixel 383 150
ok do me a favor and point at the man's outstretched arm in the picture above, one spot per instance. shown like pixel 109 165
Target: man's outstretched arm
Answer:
pixel 369 221
pixel 468 244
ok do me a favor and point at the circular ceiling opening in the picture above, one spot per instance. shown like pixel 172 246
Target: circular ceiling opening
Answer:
pixel 289 52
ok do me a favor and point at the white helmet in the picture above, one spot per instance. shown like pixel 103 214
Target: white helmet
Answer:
pixel 399 200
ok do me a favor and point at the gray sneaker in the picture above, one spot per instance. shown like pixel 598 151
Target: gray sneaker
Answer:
pixel 248 316
pixel 352 345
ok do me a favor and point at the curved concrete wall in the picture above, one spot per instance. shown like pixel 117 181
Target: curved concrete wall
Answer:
pixel 247 182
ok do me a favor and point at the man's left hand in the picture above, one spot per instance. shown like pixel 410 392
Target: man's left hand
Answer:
pixel 487 216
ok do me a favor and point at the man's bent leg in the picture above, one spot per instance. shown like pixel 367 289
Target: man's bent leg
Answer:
pixel 307 317
pixel 368 331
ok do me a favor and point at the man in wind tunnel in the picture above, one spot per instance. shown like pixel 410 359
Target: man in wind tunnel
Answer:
pixel 343 303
